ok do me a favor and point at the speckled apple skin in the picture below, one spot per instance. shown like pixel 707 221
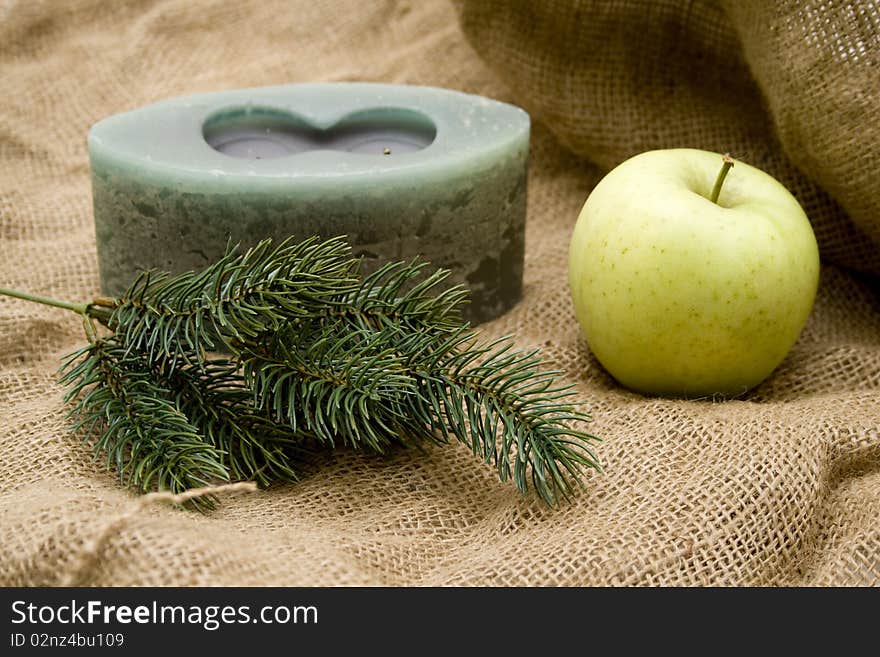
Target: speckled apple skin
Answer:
pixel 679 296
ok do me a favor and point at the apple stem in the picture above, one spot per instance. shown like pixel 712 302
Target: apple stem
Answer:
pixel 725 167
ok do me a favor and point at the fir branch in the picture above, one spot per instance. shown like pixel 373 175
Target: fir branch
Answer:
pixel 441 383
pixel 129 415
pixel 251 445
pixel 320 354
pixel 513 413
pixel 401 294
pixel 340 387
pixel 501 402
pixel 238 298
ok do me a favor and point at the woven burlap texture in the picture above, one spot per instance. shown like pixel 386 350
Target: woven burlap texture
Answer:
pixel 612 79
pixel 781 487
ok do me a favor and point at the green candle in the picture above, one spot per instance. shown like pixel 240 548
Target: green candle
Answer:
pixel 403 171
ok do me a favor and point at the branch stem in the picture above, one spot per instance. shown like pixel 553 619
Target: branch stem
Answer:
pixel 725 167
pixel 79 308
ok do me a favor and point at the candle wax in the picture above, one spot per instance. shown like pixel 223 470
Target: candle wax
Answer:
pixel 402 171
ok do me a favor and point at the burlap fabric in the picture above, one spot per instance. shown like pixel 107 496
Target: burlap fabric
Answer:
pixel 790 86
pixel 781 487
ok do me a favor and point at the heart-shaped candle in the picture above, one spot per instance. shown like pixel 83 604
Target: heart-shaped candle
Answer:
pixel 401 170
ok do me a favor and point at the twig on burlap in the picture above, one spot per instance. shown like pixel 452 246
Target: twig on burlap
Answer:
pixel 90 553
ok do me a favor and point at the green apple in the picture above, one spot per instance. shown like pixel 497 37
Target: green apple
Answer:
pixel 682 295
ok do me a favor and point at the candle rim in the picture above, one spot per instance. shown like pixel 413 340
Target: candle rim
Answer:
pixel 457 140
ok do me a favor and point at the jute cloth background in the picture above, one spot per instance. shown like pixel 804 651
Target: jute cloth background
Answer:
pixel 780 487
